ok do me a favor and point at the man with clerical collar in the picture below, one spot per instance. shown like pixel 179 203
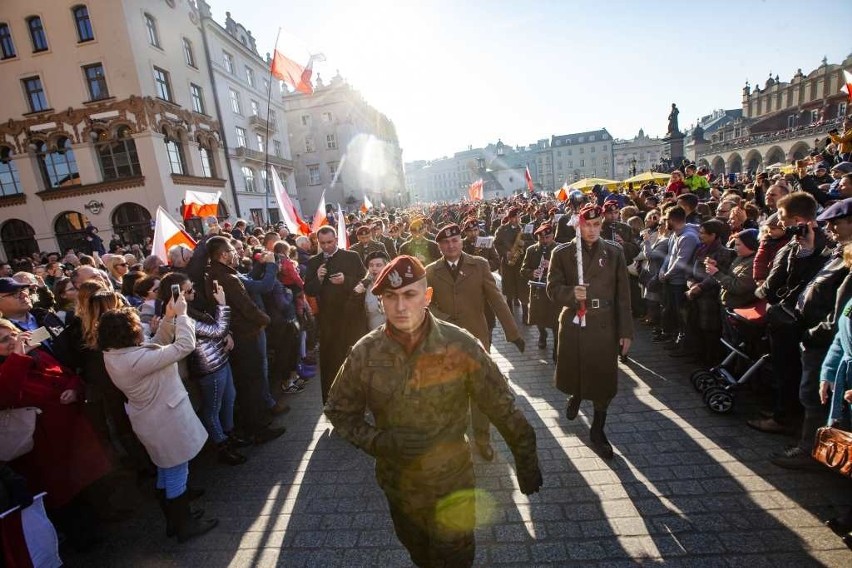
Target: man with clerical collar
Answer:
pixel 417 375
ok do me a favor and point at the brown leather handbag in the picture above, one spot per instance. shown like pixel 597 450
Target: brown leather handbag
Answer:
pixel 833 448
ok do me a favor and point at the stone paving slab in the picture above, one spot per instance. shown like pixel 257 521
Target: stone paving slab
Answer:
pixel 687 488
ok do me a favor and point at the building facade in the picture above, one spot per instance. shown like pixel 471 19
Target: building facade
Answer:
pixel 580 155
pixel 779 123
pixel 245 98
pixel 102 122
pixel 344 147
pixel 631 157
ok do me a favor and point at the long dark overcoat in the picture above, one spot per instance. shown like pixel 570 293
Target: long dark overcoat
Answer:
pixel 587 362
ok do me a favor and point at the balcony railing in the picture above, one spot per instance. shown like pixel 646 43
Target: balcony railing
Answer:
pixel 807 133
pixel 250 155
pixel 260 124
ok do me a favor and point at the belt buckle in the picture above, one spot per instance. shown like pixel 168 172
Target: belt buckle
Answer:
pixel 596 303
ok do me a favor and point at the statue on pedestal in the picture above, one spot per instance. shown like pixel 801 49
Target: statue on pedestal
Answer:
pixel 673 128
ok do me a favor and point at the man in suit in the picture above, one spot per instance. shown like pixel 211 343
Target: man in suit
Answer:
pixel 587 361
pixel 330 277
pixel 461 285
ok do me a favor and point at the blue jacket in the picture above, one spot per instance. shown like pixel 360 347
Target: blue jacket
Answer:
pixel 837 366
pixel 678 264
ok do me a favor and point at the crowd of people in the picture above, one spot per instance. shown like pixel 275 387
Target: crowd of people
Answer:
pixel 139 363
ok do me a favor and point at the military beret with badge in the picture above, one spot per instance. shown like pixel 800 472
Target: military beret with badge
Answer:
pixel 399 273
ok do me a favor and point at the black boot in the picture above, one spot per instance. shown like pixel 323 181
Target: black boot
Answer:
pixel 179 514
pixel 542 338
pixel 228 455
pixel 170 529
pixel 573 407
pixel 599 442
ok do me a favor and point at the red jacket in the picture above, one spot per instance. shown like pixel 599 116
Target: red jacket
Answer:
pixel 765 255
pixel 67 455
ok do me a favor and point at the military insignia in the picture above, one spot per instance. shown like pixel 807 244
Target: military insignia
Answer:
pixel 395 279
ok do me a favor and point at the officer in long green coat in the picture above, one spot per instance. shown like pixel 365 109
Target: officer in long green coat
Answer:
pixel 587 359
pixel 417 375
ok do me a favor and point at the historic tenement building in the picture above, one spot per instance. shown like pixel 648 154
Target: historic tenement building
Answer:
pixel 780 122
pixel 107 113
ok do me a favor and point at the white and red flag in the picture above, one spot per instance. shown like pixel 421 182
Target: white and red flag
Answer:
pixel 342 235
pixel 298 77
pixel 528 177
pixel 167 233
pixel 201 204
pixel 294 223
pixel 475 191
pixel 847 79
pixel 320 216
pixel 367 205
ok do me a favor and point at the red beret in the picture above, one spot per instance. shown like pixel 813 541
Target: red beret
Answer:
pixel 447 231
pixel 398 273
pixel 513 212
pixel 544 229
pixel 362 230
pixel 610 205
pixel 471 224
pixel 589 212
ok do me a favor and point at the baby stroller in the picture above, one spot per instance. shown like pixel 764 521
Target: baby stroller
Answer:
pixel 746 339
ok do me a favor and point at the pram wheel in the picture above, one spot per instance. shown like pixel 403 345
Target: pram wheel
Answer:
pixel 718 399
pixel 703 380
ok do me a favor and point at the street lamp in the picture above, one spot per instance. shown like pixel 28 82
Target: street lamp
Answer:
pixel 633 167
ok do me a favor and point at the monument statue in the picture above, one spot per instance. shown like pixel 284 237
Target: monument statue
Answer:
pixel 673 129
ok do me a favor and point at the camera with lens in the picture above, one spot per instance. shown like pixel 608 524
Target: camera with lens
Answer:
pixel 800 230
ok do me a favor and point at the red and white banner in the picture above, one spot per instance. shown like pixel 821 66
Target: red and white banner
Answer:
pixel 167 233
pixel 201 204
pixel 847 78
pixel 528 177
pixel 367 205
pixel 342 235
pixel 475 191
pixel 320 216
pixel 291 218
pixel 298 77
pixel 28 537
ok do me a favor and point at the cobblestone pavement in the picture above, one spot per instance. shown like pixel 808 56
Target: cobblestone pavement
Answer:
pixel 686 488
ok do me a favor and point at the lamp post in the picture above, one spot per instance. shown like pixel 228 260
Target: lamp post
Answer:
pixel 633 167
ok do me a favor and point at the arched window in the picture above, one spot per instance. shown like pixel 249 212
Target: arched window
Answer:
pixel 208 162
pixel 18 239
pixel 10 183
pixel 58 167
pixel 132 223
pixel 7 46
pixel 153 34
pixel 174 148
pixel 116 153
pixel 70 231
pixel 37 34
pixel 82 23
pixel 248 178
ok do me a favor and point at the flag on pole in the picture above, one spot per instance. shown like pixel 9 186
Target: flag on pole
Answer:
pixel 342 235
pixel 561 194
pixel 167 233
pixel 528 177
pixel 847 78
pixel 320 217
pixel 475 190
pixel 298 77
pixel 288 211
pixel 201 204
pixel 367 205
pixel 28 536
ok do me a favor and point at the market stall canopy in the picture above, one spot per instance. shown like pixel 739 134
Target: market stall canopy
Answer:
pixel 586 184
pixel 645 177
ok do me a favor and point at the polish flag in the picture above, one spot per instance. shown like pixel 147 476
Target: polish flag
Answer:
pixel 367 205
pixel 528 177
pixel 320 217
pixel 298 77
pixel 288 211
pixel 28 537
pixel 475 191
pixel 562 195
pixel 167 233
pixel 201 204
pixel 847 77
pixel 342 235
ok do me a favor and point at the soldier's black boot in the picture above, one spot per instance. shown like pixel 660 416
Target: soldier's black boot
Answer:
pixel 524 313
pixel 542 338
pixel 573 407
pixel 186 526
pixel 599 442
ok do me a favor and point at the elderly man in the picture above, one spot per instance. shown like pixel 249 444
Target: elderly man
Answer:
pixel 417 375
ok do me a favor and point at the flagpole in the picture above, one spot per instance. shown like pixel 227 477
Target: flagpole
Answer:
pixel 266 140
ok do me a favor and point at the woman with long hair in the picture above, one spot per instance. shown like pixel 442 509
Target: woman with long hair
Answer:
pixel 66 296
pixel 117 267
pixel 157 403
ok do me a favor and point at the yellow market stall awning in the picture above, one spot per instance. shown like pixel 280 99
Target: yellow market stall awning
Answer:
pixel 586 184
pixel 646 177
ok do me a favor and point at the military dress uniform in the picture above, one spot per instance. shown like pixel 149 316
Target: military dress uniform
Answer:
pixel 419 399
pixel 587 358
pixel 363 249
pixel 424 250
pixel 542 312
pixel 505 241
pixel 489 254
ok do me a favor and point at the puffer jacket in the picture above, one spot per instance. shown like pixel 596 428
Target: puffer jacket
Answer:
pixel 209 354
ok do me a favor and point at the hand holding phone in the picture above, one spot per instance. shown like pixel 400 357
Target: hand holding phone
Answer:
pixel 38 336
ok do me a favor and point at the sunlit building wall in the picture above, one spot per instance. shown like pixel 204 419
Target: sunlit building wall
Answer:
pixel 639 153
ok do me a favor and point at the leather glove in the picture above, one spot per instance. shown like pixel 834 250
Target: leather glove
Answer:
pixel 520 344
pixel 529 480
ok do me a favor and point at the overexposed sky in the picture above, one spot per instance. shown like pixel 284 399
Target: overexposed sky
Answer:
pixel 453 73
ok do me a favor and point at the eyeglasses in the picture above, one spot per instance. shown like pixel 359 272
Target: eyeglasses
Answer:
pixel 121 264
pixel 19 292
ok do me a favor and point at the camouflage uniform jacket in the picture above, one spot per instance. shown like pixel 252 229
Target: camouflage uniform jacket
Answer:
pixel 427 392
pixel 364 250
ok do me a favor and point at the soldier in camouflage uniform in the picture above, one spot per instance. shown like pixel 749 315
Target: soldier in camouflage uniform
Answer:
pixel 419 246
pixel 417 376
pixel 366 244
